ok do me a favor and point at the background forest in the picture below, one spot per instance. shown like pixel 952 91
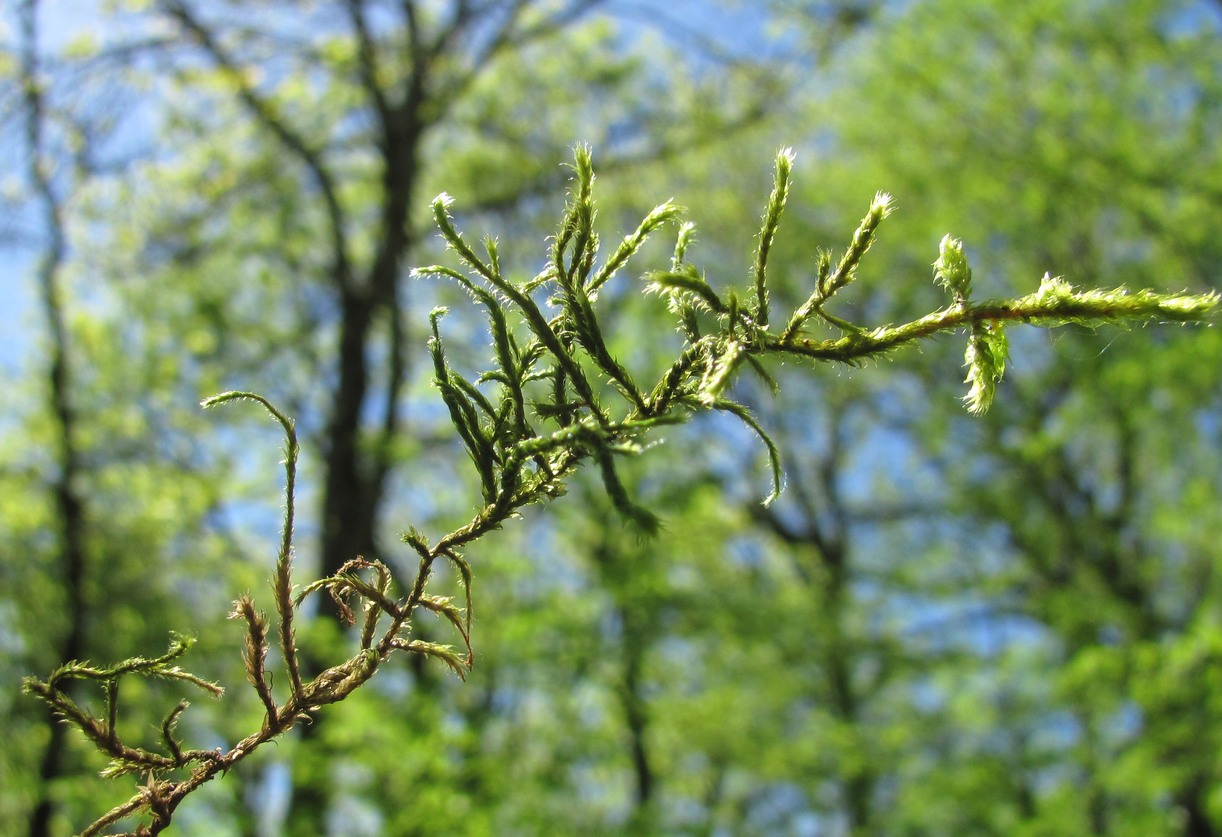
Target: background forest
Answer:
pixel 947 625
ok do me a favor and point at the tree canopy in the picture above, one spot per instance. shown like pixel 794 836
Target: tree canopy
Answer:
pixel 945 624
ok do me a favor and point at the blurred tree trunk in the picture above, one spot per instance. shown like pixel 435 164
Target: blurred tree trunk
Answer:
pixel 817 533
pixel 65 486
pixel 636 617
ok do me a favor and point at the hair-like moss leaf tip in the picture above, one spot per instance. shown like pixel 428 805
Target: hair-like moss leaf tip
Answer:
pixel 951 270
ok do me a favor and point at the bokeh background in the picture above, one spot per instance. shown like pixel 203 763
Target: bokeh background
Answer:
pixel 1007 625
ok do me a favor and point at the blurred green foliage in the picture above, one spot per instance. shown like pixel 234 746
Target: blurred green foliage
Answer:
pixel 947 625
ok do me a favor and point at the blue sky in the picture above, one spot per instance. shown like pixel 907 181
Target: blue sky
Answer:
pixel 17 326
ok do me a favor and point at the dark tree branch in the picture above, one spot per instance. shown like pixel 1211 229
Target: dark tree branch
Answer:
pixel 367 60
pixel 265 112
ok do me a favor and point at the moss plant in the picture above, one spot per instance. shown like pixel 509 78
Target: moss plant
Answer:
pixel 538 415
